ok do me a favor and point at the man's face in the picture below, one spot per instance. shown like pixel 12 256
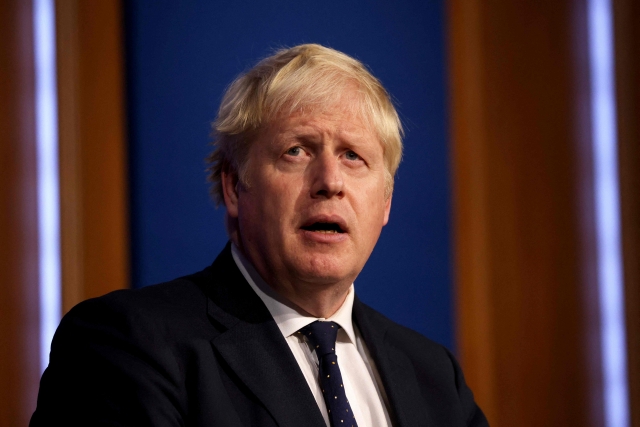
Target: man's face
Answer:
pixel 315 203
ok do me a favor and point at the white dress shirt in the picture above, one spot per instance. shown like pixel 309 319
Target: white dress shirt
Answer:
pixel 362 383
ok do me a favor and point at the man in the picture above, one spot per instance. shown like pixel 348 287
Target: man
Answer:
pixel 271 334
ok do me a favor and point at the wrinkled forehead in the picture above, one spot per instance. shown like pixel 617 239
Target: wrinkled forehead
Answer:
pixel 346 103
pixel 335 124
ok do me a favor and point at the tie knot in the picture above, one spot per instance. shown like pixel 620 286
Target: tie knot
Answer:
pixel 322 336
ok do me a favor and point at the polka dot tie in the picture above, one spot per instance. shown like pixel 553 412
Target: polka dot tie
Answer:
pixel 322 337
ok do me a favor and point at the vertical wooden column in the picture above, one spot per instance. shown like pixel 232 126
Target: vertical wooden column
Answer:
pixel 525 260
pixel 627 37
pixel 94 216
pixel 19 304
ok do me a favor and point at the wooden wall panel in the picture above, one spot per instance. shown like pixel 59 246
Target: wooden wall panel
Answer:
pixel 94 215
pixel 19 304
pixel 627 36
pixel 526 289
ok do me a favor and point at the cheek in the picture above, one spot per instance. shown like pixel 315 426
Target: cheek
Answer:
pixel 373 195
pixel 249 214
pixel 269 208
pixel 372 211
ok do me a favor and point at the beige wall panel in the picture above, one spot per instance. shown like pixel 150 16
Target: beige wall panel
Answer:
pixel 627 35
pixel 527 307
pixel 19 305
pixel 94 210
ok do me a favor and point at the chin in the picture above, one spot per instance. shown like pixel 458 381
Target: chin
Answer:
pixel 327 269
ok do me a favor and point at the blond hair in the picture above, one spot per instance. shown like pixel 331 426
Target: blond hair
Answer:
pixel 302 78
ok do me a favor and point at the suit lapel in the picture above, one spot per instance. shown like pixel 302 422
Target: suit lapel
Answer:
pixel 254 348
pixel 396 371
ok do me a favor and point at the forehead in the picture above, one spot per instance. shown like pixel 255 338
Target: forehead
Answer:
pixel 333 122
pixel 345 115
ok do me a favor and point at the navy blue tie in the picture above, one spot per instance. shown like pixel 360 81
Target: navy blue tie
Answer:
pixel 322 337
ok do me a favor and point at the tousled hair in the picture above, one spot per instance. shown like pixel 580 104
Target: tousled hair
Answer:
pixel 307 77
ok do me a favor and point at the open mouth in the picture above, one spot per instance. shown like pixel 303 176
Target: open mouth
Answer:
pixel 324 227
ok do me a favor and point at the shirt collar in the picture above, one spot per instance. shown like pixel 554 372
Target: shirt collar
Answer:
pixel 286 315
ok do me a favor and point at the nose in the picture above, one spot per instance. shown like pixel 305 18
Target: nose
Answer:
pixel 327 179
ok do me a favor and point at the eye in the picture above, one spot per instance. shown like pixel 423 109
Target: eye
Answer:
pixel 294 151
pixel 351 155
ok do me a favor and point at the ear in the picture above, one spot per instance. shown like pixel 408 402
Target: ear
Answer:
pixel 387 210
pixel 229 181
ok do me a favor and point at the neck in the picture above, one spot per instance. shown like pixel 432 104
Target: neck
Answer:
pixel 316 302
pixel 316 299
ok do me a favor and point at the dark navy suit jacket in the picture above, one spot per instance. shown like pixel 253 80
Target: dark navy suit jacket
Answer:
pixel 203 350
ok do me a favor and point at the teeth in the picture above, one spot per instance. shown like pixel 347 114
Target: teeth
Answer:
pixel 326 231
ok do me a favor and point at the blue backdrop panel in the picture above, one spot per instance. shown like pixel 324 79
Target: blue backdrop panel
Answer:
pixel 182 55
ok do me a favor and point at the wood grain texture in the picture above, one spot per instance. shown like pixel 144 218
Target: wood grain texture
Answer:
pixel 94 208
pixel 19 303
pixel 526 289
